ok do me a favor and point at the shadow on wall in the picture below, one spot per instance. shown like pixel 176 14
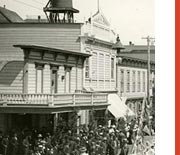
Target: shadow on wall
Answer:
pixel 11 72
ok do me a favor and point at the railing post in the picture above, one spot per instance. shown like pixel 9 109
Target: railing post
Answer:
pixel 51 100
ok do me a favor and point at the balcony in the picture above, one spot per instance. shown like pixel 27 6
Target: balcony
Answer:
pixel 49 103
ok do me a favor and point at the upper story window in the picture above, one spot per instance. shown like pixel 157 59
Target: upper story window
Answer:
pixel 54 79
pixel 128 81
pixel 134 81
pixel 122 81
pixel 144 81
pixel 94 65
pixel 39 78
pixel 139 81
pixel 112 68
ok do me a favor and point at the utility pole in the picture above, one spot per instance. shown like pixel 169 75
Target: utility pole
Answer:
pixel 149 39
pixel 148 105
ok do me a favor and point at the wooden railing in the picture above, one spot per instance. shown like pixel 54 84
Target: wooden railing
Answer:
pixel 53 99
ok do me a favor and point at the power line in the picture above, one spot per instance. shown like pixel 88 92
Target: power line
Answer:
pixel 28 5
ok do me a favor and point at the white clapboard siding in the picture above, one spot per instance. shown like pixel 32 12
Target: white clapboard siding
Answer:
pixel 79 75
pixel 61 81
pixel 107 67
pixel 107 85
pixel 94 65
pixel 11 77
pixel 94 84
pixel 31 78
pixel 113 84
pixel 101 85
pixel 101 66
pixel 73 79
pixel 47 79
pixel 64 36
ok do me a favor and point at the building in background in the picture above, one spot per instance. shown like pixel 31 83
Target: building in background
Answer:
pixel 132 75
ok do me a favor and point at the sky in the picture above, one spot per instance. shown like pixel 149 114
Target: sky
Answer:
pixel 131 19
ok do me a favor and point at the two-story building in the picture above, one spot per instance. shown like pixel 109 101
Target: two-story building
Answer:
pixel 41 75
pixel 132 75
pixel 49 70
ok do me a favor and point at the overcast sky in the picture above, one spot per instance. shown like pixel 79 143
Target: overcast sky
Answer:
pixel 132 19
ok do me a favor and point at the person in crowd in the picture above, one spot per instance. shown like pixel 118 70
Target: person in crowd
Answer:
pixel 13 145
pixel 1 138
pixel 26 145
pixel 102 140
pixel 125 148
pixel 5 143
pixel 83 151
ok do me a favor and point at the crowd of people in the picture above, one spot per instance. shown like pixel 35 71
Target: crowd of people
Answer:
pixel 122 138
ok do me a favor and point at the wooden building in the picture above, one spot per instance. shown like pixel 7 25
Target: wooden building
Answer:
pixel 50 70
pixel 132 75
pixel 41 75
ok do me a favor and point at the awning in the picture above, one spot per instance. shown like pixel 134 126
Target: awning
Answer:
pixel 117 106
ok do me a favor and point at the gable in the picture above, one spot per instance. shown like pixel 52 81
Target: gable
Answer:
pixel 100 19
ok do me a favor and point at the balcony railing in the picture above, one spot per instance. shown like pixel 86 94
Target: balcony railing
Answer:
pixel 53 99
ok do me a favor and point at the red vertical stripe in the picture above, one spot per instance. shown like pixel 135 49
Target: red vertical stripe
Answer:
pixel 177 80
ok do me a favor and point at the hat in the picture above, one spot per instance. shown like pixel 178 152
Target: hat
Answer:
pixel 39 136
pixel 101 133
pixel 83 149
pixel 100 126
pixel 113 126
pixel 104 138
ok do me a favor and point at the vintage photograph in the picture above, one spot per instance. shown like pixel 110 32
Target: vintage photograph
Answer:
pixel 77 77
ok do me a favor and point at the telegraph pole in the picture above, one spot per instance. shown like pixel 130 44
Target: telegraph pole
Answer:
pixel 149 39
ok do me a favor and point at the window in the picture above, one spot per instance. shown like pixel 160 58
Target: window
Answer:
pixel 139 81
pixel 54 79
pixel 134 81
pixel 122 81
pixel 112 68
pixel 87 68
pixel 144 82
pixel 128 81
pixel 39 78
pixel 94 65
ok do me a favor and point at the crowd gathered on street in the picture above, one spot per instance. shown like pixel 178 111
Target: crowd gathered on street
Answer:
pixel 121 138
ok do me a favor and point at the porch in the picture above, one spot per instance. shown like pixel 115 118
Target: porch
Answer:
pixel 51 103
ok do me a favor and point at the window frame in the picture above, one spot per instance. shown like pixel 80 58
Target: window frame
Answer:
pixel 122 81
pixel 39 67
pixel 128 81
pixel 112 68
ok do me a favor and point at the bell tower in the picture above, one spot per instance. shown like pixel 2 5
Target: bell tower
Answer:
pixel 60 11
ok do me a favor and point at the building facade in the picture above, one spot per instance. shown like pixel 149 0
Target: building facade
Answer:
pixel 49 71
pixel 41 76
